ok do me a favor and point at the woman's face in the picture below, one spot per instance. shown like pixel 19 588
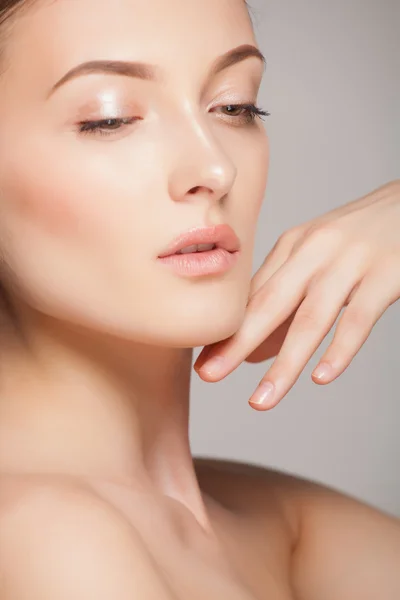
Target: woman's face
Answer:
pixel 85 214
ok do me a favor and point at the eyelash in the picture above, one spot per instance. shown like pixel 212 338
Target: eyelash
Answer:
pixel 251 112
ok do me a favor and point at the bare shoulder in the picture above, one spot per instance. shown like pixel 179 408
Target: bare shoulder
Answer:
pixel 265 494
pixel 240 485
pixel 60 541
pixel 341 547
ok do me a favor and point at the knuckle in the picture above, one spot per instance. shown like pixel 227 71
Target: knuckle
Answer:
pixel 394 185
pixel 287 241
pixel 326 234
pixel 361 248
pixel 289 237
pixel 259 299
pixel 357 317
pixel 389 263
pixel 265 295
pixel 308 318
pixel 267 298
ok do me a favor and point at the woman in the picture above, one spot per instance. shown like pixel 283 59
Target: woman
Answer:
pixel 123 125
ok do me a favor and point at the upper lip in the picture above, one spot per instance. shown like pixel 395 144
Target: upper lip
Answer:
pixel 222 236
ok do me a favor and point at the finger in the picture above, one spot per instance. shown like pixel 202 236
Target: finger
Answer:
pixel 272 263
pixel 313 320
pixel 272 345
pixel 309 257
pixel 267 309
pixel 376 292
pixel 274 259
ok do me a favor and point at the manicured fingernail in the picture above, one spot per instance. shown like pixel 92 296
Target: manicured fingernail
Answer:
pixel 323 371
pixel 213 366
pixel 263 393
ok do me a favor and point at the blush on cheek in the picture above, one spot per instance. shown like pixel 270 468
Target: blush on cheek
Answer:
pixel 50 205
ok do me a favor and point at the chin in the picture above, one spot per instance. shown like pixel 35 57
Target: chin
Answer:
pixel 192 318
pixel 192 328
pixel 178 316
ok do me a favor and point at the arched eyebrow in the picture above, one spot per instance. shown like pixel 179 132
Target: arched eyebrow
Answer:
pixel 153 72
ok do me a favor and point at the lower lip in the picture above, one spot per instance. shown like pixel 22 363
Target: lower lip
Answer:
pixel 201 263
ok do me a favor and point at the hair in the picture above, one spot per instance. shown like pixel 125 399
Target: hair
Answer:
pixel 8 7
pixel 9 11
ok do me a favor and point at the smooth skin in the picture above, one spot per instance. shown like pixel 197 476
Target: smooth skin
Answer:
pixel 100 496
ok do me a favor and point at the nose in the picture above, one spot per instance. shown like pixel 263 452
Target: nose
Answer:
pixel 202 167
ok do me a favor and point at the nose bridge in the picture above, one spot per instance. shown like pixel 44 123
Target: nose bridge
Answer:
pixel 200 159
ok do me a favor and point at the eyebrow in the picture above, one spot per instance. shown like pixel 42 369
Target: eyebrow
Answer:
pixel 150 72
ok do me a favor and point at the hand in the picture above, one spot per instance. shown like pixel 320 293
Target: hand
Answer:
pixel 349 257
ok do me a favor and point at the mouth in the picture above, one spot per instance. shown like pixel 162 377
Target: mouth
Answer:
pixel 204 240
pixel 191 262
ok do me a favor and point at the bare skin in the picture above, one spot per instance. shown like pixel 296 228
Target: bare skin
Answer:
pixel 100 496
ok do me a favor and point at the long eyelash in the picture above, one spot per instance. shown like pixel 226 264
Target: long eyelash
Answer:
pixel 91 127
pixel 252 110
pixel 87 127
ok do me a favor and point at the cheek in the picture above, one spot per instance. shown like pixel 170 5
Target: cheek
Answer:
pixel 62 205
pixel 253 181
pixel 41 200
pixel 76 210
pixel 67 238
pixel 259 169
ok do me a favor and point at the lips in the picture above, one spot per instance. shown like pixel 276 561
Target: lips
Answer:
pixel 222 236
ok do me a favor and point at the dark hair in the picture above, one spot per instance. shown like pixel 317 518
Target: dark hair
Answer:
pixel 7 7
pixel 9 10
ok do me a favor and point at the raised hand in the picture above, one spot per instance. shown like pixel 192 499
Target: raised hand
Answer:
pixel 349 257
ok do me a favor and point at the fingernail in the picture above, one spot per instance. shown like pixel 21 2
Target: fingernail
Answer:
pixel 263 393
pixel 213 366
pixel 323 371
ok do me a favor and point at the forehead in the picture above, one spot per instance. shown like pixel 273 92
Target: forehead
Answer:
pixel 57 34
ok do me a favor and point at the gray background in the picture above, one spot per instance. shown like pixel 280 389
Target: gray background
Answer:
pixel 332 87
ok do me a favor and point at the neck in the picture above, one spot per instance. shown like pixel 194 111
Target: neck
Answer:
pixel 88 405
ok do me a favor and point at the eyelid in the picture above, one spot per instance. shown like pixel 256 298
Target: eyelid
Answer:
pixel 97 111
pixel 94 128
pixel 239 96
pixel 240 101
pixel 232 84
pixel 112 100
pixel 106 102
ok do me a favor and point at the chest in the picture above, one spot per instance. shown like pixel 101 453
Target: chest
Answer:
pixel 241 567
pixel 242 564
pixel 258 552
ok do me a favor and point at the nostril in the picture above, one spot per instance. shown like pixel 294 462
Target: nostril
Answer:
pixel 195 189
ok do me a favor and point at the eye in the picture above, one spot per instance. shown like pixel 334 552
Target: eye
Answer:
pixel 104 127
pixel 241 113
pixel 245 113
